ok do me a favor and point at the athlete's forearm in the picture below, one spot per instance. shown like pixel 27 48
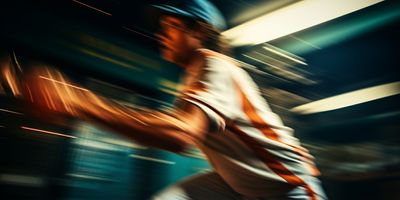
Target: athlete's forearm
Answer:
pixel 49 89
pixel 147 127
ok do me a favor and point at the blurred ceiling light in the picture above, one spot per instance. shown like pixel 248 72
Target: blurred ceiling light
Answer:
pixel 350 98
pixel 290 19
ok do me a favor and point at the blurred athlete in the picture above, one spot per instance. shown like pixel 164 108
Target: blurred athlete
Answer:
pixel 220 110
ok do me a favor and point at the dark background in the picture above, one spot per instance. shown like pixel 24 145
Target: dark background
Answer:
pixel 115 54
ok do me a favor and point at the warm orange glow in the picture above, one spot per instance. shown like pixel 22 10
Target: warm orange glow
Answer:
pixel 66 84
pixel 9 76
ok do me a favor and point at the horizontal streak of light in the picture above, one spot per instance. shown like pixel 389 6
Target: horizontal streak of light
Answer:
pixel 82 176
pixel 89 6
pixel 10 111
pixel 285 73
pixel 255 59
pixel 152 159
pixel 108 59
pixel 290 19
pixel 17 179
pixel 169 91
pixel 271 58
pixel 63 83
pixel 47 132
pixel 122 143
pixel 137 32
pixel 349 99
pixel 284 55
pixel 306 42
pixel 255 70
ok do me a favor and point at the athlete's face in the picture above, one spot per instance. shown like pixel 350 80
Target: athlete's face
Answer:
pixel 176 40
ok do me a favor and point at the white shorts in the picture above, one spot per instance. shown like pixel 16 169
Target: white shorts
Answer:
pixel 210 186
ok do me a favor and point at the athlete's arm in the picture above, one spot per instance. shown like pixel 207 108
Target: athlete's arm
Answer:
pixel 49 89
pixel 172 131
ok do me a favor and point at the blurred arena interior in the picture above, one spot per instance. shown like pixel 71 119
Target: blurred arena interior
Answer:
pixel 335 81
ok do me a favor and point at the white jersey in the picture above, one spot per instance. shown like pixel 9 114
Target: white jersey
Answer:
pixel 248 145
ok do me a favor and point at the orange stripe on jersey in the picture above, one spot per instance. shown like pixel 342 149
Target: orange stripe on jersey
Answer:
pixel 268 159
pixel 271 162
pixel 195 89
pixel 259 123
pixel 255 119
pixel 263 126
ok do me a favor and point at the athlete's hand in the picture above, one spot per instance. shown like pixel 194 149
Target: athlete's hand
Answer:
pixel 48 90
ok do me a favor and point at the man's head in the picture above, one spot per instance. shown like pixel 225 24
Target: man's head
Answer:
pixel 199 10
pixel 188 25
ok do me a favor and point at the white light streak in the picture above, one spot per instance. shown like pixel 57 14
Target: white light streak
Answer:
pixel 152 159
pixel 350 98
pixel 291 19
pixel 10 111
pixel 63 83
pixel 285 55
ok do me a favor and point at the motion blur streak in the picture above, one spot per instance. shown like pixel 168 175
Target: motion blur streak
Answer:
pixel 47 132
pixel 10 111
pixel 96 9
pixel 66 84
pixel 109 59
pixel 284 54
pixel 296 17
pixel 23 180
pixel 152 159
pixel 117 51
pixel 350 98
pixel 9 76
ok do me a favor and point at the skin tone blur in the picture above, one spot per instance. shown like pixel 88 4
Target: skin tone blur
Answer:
pixel 178 43
pixel 49 91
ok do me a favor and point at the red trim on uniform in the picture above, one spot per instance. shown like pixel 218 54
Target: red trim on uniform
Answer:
pixel 268 159
pixel 256 120
pixel 261 125
pixel 272 163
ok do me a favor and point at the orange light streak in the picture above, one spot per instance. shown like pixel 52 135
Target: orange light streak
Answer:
pixel 63 83
pixel 47 132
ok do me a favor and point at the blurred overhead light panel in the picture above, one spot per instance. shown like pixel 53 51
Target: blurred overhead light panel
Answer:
pixel 292 18
pixel 349 99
